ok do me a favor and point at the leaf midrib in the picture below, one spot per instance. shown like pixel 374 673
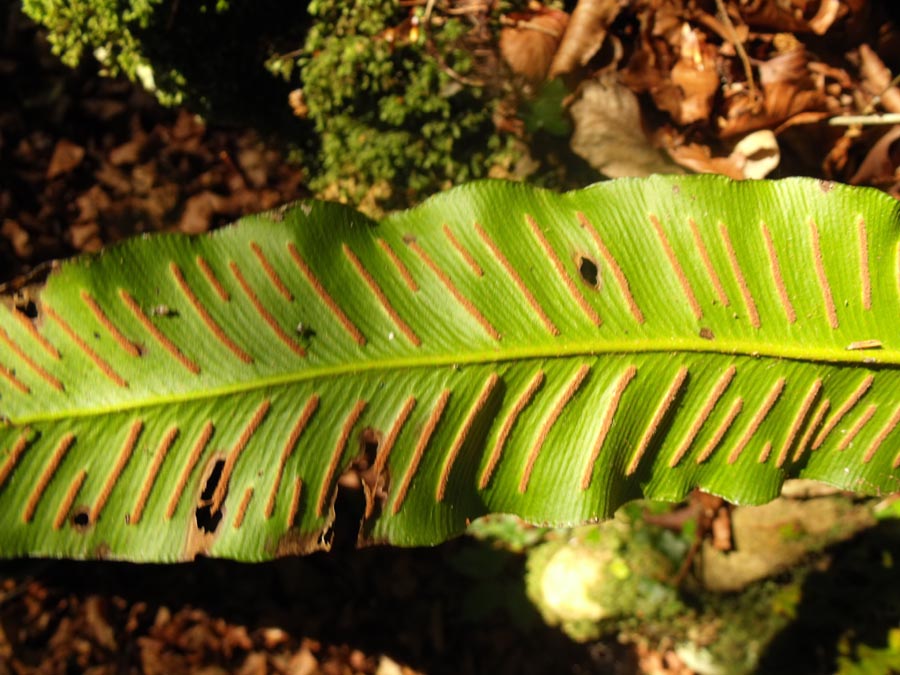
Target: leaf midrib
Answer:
pixel 739 348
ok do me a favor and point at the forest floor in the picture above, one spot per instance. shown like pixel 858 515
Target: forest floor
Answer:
pixel 87 161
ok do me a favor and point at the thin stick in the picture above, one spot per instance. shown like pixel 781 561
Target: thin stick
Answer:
pixel 864 120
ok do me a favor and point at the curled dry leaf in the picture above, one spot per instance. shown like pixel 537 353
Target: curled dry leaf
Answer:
pixel 876 79
pixel 584 34
pixel 609 134
pixel 530 40
pixel 788 89
pixel 758 154
pixel 881 161
pixel 798 16
pixel 754 156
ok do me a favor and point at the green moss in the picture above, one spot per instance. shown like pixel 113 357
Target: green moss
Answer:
pixel 391 113
pixel 388 106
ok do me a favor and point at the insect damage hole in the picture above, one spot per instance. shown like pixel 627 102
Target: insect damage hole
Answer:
pixel 81 518
pixel 27 306
pixel 357 488
pixel 589 271
pixel 207 520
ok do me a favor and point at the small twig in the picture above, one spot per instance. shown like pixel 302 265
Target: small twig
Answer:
pixel 742 53
pixel 426 17
pixel 864 120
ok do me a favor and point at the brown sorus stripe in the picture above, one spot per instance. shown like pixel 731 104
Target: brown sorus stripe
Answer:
pixel 150 480
pixel 204 315
pixel 33 331
pixel 308 410
pixel 739 275
pixel 857 427
pixel 708 406
pixel 242 509
pixel 326 298
pixel 263 312
pixel 777 277
pixel 270 272
pixel 339 449
pixel 235 453
pixel 463 252
pixel 812 428
pixel 454 291
pixel 424 437
pixel 295 502
pixel 606 423
pixel 157 334
pixel 661 410
pixel 838 415
pixel 865 277
pixel 523 400
pixel 124 455
pixel 560 404
pixel 68 499
pixel 819 264
pixel 104 367
pixel 40 372
pixel 10 376
pixel 15 454
pixel 883 433
pixel 799 419
pixel 381 297
pixel 765 408
pixel 766 451
pixel 213 279
pixel 582 302
pixel 707 263
pixel 46 476
pixel 127 345
pixel 721 430
pixel 676 267
pixel 385 447
pixel 517 280
pixel 196 451
pixel 489 386
pixel 618 274
pixel 401 268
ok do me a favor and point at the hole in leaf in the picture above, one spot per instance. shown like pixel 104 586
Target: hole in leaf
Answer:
pixel 81 518
pixel 27 307
pixel 326 538
pixel 589 271
pixel 207 520
pixel 356 487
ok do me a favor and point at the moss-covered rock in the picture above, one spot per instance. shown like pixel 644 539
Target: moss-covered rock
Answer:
pixel 590 582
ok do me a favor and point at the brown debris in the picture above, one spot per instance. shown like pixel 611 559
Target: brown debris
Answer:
pixel 528 41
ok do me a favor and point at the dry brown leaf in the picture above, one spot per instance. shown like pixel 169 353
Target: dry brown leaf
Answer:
pixel 584 35
pixel 698 158
pixel 609 134
pixel 757 154
pixel 529 41
pixel 66 156
pixel 876 79
pixel 881 162
pixel 787 90
pixel 696 76
pixel 797 16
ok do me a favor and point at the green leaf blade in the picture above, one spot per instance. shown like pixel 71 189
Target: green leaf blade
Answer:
pixel 498 349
